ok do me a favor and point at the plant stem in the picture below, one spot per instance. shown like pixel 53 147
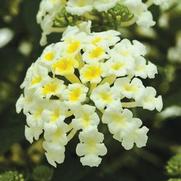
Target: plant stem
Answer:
pixel 129 23
pixel 129 104
pixel 71 134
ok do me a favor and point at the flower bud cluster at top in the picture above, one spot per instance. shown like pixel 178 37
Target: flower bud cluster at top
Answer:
pixel 50 9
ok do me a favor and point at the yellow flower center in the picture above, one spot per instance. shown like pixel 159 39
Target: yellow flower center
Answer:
pixel 119 119
pixel 117 66
pixel 64 66
pixel 86 120
pixel 96 40
pixel 49 56
pixel 55 115
pixel 106 97
pixel 73 47
pixel 93 72
pixel 36 80
pixel 38 113
pixel 96 52
pixel 75 95
pixel 91 145
pixel 124 53
pixel 130 88
pixel 49 88
pixel 58 134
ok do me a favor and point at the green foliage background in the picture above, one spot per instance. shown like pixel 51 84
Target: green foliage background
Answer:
pixel 21 161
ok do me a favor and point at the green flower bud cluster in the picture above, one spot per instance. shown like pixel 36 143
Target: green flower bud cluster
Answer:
pixel 11 176
pixel 173 167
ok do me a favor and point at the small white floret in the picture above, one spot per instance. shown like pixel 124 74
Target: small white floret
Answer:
pixel 91 147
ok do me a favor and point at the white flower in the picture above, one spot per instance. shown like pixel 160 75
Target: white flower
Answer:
pixel 118 66
pixel 46 6
pixel 143 69
pixel 51 87
pixel 34 115
pixel 124 127
pixel 124 48
pixel 20 104
pixel 91 73
pixel 54 144
pixel 146 19
pixel 25 101
pixel 34 127
pixel 46 26
pixel 51 153
pixel 80 81
pixel 105 39
pixel 94 54
pixel 129 88
pixel 104 5
pixel 142 15
pixel 85 117
pixel 79 7
pixel 35 76
pixel 151 70
pixel 32 133
pixel 72 32
pixel 54 115
pixel 140 68
pixel 74 39
pixel 51 9
pixel 57 135
pixel 104 96
pixel 134 134
pixel 91 147
pixel 34 130
pixel 73 45
pixel 85 27
pixel 50 54
pixel 139 48
pixel 149 101
pixel 65 65
pixel 47 12
pixel 35 121
pixel 116 118
pixel 126 53
pixel 75 94
pixel 135 6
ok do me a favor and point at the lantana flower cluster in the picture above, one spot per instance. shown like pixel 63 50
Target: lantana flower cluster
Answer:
pixel 82 81
pixel 49 10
